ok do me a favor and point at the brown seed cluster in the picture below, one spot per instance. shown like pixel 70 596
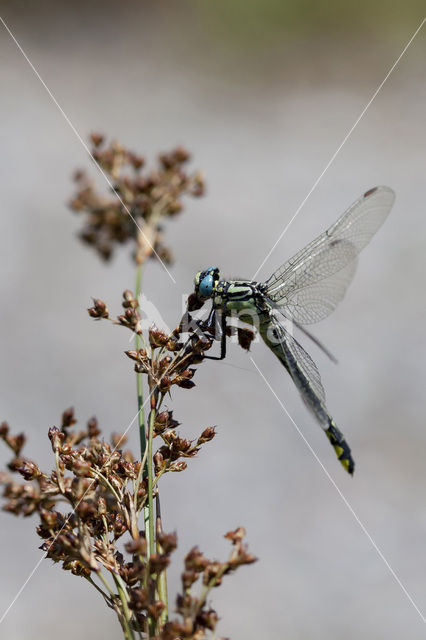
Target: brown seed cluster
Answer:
pixel 105 491
pixel 165 358
pixel 90 505
pixel 140 199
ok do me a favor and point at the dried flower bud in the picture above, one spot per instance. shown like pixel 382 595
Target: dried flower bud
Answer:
pixel 188 579
pixel 29 470
pixel 129 300
pixel 207 435
pixel 68 418
pixel 97 138
pixel 158 563
pixel 136 161
pixel 130 319
pixel 99 309
pixel 213 572
pixel 165 421
pixel 16 442
pixel 56 437
pixel 157 338
pixel 132 354
pixel 168 541
pixel 158 462
pixel 155 610
pixel 4 429
pixel 198 185
pixel 195 560
pixel 102 507
pixel 52 519
pixel 138 599
pixel 178 466
pixel 236 536
pixel 183 383
pixel 92 427
pixel 208 619
pixel 81 468
pixel 136 547
pixel 165 384
pixel 173 630
pixel 118 440
pixel 86 510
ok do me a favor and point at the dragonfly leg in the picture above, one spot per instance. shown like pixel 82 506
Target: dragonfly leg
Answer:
pixel 212 317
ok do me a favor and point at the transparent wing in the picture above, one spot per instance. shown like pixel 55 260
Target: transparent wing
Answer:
pixel 310 304
pixel 312 283
pixel 305 374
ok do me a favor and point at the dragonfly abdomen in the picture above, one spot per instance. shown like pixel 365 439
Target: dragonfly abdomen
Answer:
pixel 312 398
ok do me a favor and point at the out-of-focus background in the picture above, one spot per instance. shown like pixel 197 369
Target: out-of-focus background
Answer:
pixel 262 93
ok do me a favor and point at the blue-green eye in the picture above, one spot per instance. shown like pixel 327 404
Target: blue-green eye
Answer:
pixel 206 286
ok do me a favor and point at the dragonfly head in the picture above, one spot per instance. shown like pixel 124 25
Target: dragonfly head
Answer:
pixel 206 282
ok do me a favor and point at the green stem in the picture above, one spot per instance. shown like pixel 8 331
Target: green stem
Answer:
pixel 150 530
pixel 146 460
pixel 162 579
pixel 139 381
pixel 103 594
pixel 128 631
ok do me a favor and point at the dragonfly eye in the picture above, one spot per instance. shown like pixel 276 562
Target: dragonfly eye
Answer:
pixel 206 281
pixel 206 286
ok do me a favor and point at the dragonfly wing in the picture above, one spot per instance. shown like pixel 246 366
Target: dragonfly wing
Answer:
pixel 310 304
pixel 329 254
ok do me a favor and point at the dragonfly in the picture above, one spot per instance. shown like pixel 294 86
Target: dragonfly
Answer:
pixel 304 290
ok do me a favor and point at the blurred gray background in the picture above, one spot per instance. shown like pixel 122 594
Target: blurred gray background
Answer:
pixel 262 93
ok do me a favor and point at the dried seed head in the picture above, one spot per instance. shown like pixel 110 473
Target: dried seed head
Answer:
pixel 29 470
pixel 159 462
pixel 157 338
pixel 165 421
pixel 4 429
pixel 138 599
pixel 208 619
pixel 68 418
pixel 168 541
pixel 107 222
pixel 118 440
pixel 97 138
pixel 158 563
pixel 56 437
pixel 155 610
pixel 236 536
pixel 136 547
pixel 207 435
pixel 195 560
pixel 99 309
pixel 188 578
pixel 129 300
pixel 92 427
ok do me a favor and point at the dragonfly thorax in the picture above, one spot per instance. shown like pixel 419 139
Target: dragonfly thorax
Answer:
pixel 206 282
